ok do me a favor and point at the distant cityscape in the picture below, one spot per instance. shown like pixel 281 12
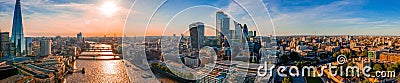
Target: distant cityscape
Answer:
pixel 234 54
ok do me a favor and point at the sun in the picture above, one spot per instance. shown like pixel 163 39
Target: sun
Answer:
pixel 108 8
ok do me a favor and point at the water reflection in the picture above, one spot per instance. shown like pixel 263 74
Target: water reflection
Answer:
pixel 100 66
pixel 99 71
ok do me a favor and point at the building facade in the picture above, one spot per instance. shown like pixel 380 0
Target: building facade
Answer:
pixel 45 47
pixel 197 35
pixel 222 26
pixel 4 43
pixel 17 36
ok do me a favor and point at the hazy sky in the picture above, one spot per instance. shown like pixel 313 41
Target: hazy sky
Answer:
pixel 290 17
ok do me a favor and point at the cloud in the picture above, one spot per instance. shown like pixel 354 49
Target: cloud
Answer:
pixel 49 18
pixel 253 13
pixel 338 17
pixel 289 17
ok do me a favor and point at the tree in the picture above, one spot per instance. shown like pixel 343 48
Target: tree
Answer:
pixel 287 80
pixel 351 64
pixel 324 55
pixel 336 54
pixel 364 53
pixel 397 63
pixel 350 55
pixel 367 81
pixel 390 68
pixel 398 79
pixel 285 58
pixel 377 67
pixel 358 53
pixel 294 55
pixel 396 67
pixel 385 66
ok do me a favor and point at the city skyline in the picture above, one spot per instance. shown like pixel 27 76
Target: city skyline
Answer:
pixel 203 41
pixel 290 18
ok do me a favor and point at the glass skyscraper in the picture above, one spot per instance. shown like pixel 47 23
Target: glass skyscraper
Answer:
pixel 238 30
pixel 17 36
pixel 79 36
pixel 222 21
pixel 197 35
pixel 245 31
pixel 28 46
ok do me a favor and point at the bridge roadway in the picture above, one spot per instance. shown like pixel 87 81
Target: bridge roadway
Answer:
pixel 97 51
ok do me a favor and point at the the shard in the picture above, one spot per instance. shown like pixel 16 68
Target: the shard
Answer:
pixel 17 36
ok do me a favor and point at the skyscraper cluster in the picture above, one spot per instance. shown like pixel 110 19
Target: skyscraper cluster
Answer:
pixel 18 45
pixel 79 36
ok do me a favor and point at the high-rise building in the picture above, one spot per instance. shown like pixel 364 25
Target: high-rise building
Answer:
pixel 231 34
pixel 238 30
pixel 222 21
pixel 28 46
pixel 45 47
pixel 245 31
pixel 17 36
pixel 79 36
pixel 197 35
pixel 4 43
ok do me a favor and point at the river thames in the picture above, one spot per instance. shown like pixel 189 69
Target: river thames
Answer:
pixel 99 71
pixel 99 68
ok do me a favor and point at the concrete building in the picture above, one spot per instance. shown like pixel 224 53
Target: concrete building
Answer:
pixel 4 44
pixel 28 46
pixel 45 47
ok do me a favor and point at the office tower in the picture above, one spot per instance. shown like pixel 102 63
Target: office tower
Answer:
pixel 4 43
pixel 45 47
pixel 197 35
pixel 17 35
pixel 231 34
pixel 28 46
pixel 222 21
pixel 79 36
pixel 245 31
pixel 238 30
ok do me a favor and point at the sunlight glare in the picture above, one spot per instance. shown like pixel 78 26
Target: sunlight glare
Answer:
pixel 108 8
